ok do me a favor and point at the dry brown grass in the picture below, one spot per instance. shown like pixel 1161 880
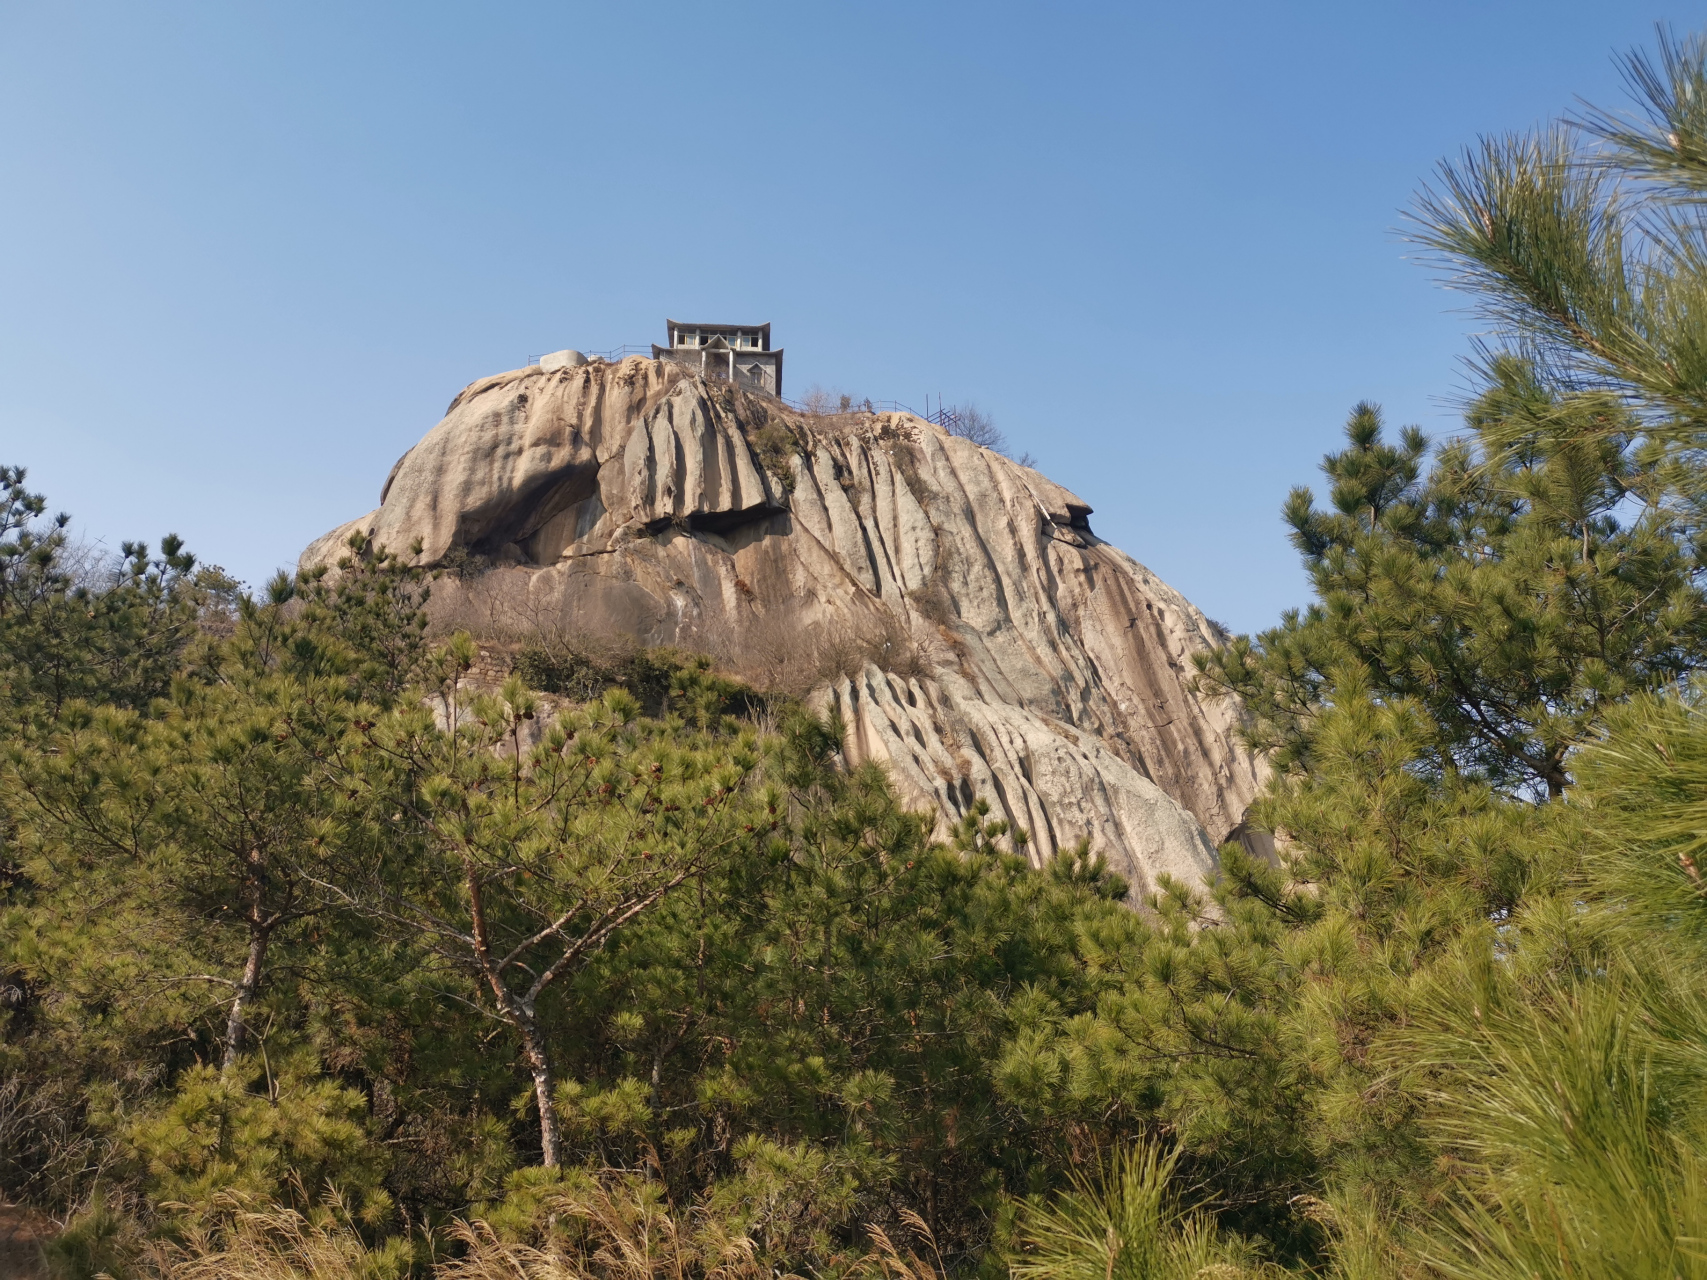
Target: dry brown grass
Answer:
pixel 889 1261
pixel 47 1153
pixel 592 1233
pixel 884 643
pixel 599 1234
pixel 491 605
pixel 822 403
pixel 277 1244
pixel 933 599
pixel 789 660
pixel 793 665
pixel 598 1237
pixel 779 660
pixel 906 459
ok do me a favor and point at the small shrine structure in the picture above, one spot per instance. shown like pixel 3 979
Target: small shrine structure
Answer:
pixel 739 352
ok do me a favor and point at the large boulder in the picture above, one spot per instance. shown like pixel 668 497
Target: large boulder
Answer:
pixel 952 605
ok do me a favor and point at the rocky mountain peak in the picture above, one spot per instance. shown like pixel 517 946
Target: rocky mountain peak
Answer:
pixel 955 607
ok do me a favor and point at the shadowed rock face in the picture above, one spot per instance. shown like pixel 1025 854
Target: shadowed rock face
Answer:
pixel 953 605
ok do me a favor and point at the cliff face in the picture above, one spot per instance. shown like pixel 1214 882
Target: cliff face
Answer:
pixel 952 604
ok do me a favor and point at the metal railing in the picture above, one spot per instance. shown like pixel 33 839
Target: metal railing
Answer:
pixel 611 356
pixel 949 419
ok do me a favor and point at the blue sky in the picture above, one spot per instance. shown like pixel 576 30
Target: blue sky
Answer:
pixel 249 251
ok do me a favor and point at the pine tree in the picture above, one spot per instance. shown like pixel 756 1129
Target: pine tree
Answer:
pixel 1580 243
pixel 516 861
pixel 1506 592
pixel 72 627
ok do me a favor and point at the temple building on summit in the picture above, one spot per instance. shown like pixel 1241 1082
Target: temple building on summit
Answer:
pixel 739 352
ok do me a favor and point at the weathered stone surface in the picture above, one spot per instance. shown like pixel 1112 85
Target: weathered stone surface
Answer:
pixel 953 605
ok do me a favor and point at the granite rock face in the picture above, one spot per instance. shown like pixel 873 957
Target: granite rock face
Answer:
pixel 953 605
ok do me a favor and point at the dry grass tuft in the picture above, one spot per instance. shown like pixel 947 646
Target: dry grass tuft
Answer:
pixel 598 1234
pixel 883 643
pixel 892 1263
pixel 278 1244
pixel 586 1231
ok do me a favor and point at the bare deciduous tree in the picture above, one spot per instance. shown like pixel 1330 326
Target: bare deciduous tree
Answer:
pixel 969 422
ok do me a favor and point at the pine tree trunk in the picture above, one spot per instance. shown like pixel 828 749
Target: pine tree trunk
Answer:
pixel 519 1012
pixel 539 1065
pixel 235 1025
